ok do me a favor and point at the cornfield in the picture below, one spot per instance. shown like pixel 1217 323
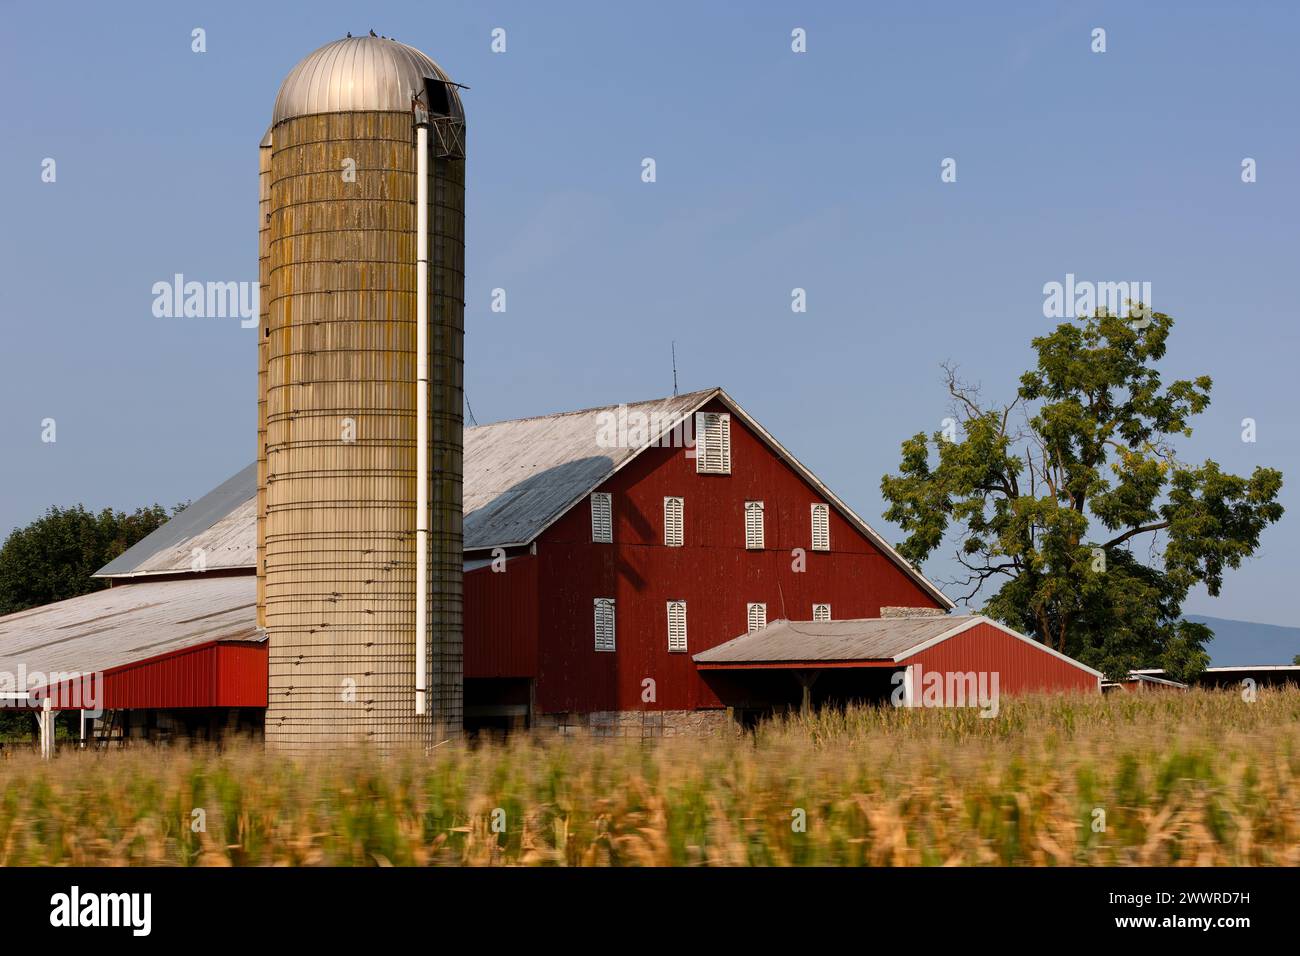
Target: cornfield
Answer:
pixel 1201 778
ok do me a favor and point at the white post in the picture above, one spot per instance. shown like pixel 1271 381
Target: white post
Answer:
pixel 47 728
pixel 83 728
pixel 421 407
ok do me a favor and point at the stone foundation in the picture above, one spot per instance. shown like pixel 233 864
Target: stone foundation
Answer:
pixel 907 612
pixel 637 724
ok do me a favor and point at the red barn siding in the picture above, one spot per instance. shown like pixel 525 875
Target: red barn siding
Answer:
pixel 501 620
pixel 713 573
pixel 1021 667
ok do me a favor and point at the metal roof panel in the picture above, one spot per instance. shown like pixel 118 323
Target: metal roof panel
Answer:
pixel 521 475
pixel 865 639
pixel 123 625
pixel 221 522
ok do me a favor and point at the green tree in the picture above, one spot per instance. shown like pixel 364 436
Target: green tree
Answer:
pixel 53 558
pixel 1072 501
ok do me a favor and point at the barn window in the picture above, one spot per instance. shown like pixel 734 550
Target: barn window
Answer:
pixel 821 612
pixel 602 520
pixel 677 626
pixel 754 524
pixel 821 527
pixel 673 509
pixel 757 617
pixel 604 624
pixel 713 443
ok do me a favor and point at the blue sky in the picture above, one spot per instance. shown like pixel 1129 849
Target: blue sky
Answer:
pixel 775 170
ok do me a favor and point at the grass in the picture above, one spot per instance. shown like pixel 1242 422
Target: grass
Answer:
pixel 1202 778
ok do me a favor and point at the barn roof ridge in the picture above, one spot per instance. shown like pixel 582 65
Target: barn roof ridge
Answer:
pixel 595 408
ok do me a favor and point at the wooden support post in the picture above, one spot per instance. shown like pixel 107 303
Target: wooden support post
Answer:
pixel 806 680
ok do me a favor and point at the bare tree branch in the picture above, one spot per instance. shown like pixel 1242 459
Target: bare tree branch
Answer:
pixel 1132 532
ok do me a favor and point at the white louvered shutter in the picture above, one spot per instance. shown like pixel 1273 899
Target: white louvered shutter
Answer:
pixel 757 617
pixel 677 625
pixel 604 624
pixel 821 527
pixel 713 443
pixel 754 524
pixel 674 509
pixel 602 518
pixel 821 612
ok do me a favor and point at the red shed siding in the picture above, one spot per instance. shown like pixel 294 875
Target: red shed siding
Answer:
pixel 713 573
pixel 501 620
pixel 1021 667
pixel 241 675
pixel 230 674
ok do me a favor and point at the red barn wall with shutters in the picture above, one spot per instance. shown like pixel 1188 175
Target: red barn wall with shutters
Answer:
pixel 1021 667
pixel 713 572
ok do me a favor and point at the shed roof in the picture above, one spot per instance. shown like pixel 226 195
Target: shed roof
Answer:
pixel 1136 677
pixel 1234 669
pixel 123 625
pixel 521 476
pixel 864 639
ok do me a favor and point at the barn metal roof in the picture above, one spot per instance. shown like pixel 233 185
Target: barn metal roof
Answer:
pixel 123 625
pixel 520 477
pixel 222 525
pixel 863 639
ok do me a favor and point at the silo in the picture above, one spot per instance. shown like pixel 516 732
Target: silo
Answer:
pixel 345 579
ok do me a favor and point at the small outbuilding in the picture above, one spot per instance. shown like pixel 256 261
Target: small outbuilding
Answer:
pixel 1263 675
pixel 932 660
pixel 1139 683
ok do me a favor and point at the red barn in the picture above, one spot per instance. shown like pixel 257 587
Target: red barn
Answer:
pixel 607 548
pixel 622 565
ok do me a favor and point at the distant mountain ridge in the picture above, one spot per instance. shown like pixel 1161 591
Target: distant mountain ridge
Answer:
pixel 1245 643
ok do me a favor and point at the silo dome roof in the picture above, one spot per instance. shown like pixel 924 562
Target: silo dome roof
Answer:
pixel 357 73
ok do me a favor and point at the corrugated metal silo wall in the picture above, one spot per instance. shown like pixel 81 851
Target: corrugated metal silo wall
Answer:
pixel 446 191
pixel 263 345
pixel 340 443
